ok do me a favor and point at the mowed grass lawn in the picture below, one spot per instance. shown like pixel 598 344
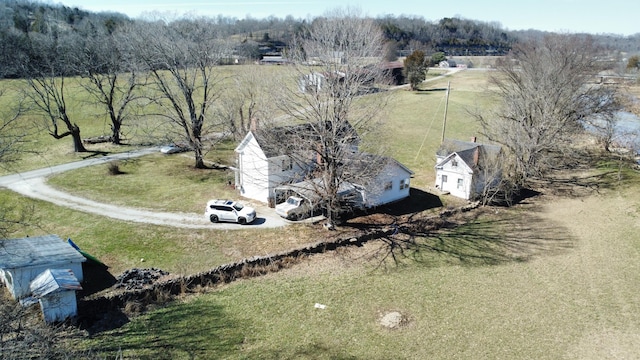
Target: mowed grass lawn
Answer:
pixel 556 278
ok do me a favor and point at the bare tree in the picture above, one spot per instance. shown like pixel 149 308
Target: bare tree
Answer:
pixel 336 60
pixel 112 74
pixel 13 136
pixel 181 57
pixel 45 90
pixel 546 96
pixel 245 101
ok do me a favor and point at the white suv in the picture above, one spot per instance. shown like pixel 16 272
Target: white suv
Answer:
pixel 229 210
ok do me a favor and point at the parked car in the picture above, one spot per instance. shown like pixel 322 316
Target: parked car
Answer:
pixel 295 208
pixel 174 148
pixel 230 211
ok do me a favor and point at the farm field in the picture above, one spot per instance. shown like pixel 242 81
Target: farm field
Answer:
pixel 556 276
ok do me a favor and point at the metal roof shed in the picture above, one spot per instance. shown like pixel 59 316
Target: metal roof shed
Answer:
pixel 55 289
pixel 21 260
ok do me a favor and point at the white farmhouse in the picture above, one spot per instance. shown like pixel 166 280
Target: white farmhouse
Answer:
pixel 262 167
pixel 465 168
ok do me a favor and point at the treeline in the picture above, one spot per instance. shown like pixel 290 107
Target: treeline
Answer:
pixel 25 24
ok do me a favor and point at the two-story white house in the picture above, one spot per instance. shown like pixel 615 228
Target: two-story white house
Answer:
pixel 264 165
pixel 465 168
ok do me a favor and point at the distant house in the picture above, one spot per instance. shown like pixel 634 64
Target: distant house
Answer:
pixel 447 64
pixel 55 289
pixel 465 168
pixel 274 60
pixel 22 260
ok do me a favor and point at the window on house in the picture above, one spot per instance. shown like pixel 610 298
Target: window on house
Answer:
pixel 404 184
pixel 444 178
pixel 287 164
pixel 388 186
pixel 454 163
pixel 460 183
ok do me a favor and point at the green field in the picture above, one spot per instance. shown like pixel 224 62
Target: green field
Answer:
pixel 555 277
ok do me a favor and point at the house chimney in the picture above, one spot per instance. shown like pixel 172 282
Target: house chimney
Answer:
pixel 473 139
pixel 253 125
pixel 476 155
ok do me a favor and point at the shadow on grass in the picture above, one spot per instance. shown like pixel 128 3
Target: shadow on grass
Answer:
pixel 418 201
pixel 427 91
pixel 171 333
pixel 488 239
pixel 94 153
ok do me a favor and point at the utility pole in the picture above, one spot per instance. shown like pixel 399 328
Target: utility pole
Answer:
pixel 446 107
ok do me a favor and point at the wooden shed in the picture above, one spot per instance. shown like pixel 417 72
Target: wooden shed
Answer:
pixel 22 260
pixel 55 290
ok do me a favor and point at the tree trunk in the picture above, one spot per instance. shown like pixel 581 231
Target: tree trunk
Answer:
pixel 115 132
pixel 199 159
pixel 78 145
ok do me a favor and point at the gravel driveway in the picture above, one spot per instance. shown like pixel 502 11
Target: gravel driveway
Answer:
pixel 33 184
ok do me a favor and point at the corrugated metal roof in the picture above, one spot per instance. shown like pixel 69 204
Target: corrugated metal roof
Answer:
pixel 47 250
pixel 52 280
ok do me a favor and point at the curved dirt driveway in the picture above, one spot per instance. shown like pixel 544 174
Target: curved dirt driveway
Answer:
pixel 33 184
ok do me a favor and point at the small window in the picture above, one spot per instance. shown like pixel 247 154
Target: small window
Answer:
pixel 444 178
pixel 286 165
pixel 388 186
pixel 404 184
pixel 460 183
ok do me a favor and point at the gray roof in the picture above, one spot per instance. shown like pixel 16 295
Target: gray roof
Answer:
pixel 47 250
pixel 466 150
pixel 286 140
pixel 54 280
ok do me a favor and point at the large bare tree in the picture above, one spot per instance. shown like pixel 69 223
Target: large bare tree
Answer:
pixel 112 73
pixel 13 138
pixel 46 90
pixel 336 60
pixel 547 95
pixel 181 57
pixel 245 100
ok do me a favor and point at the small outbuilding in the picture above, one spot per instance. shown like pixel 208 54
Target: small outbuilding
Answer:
pixel 55 290
pixel 22 260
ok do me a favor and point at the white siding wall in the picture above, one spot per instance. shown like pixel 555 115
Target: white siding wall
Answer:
pixel 59 306
pixel 382 193
pixel 254 170
pixel 454 174
pixel 21 278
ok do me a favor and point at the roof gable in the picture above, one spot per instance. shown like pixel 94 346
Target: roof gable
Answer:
pixel 47 250
pixel 472 153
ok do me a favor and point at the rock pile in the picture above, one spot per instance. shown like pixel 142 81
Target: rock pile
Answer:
pixel 133 279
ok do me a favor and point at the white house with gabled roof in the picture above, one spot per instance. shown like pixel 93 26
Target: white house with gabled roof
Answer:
pixel 465 168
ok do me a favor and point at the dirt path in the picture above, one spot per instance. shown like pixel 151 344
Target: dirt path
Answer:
pixel 33 184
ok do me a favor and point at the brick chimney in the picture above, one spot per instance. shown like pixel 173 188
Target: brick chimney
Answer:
pixel 253 125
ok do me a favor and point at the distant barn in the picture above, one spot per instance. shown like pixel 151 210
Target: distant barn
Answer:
pixel 22 260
